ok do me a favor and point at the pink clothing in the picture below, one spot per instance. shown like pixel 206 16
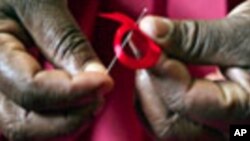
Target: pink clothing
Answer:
pixel 118 121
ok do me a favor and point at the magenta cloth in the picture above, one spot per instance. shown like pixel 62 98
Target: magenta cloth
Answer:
pixel 118 120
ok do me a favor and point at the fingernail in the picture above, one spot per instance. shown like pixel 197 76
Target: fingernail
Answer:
pixel 156 27
pixel 98 67
pixel 94 67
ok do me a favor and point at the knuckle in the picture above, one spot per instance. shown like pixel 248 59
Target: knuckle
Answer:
pixel 8 26
pixel 72 48
pixel 9 42
pixel 72 42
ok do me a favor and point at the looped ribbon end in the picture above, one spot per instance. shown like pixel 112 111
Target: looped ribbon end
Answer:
pixel 150 51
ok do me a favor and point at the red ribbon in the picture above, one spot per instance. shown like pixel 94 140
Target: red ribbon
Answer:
pixel 150 51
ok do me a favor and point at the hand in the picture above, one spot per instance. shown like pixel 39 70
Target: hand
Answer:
pixel 168 89
pixel 37 103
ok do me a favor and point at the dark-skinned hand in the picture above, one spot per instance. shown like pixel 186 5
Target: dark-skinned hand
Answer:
pixel 37 103
pixel 169 95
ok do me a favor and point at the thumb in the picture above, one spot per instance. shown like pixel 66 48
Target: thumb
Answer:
pixel 218 42
pixel 57 35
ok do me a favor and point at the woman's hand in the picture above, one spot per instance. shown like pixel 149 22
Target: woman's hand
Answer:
pixel 37 103
pixel 168 89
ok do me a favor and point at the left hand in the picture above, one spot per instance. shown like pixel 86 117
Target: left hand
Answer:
pixel 168 89
pixel 37 103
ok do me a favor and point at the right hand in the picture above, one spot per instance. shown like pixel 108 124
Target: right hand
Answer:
pixel 168 91
pixel 35 103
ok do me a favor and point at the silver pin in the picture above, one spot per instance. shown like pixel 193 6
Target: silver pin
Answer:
pixel 126 40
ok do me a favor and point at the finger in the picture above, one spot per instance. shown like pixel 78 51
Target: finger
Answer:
pixel 23 80
pixel 160 117
pixel 10 25
pixel 20 72
pixel 18 124
pixel 152 106
pixel 240 76
pixel 57 35
pixel 219 42
pixel 200 98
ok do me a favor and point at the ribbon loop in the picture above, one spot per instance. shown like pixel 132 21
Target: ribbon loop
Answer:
pixel 150 52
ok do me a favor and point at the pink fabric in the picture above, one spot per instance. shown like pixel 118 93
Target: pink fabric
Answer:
pixel 196 9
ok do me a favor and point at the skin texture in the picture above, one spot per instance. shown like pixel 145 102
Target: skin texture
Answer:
pixel 168 90
pixel 37 103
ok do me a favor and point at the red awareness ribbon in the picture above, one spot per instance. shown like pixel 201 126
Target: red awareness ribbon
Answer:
pixel 150 51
